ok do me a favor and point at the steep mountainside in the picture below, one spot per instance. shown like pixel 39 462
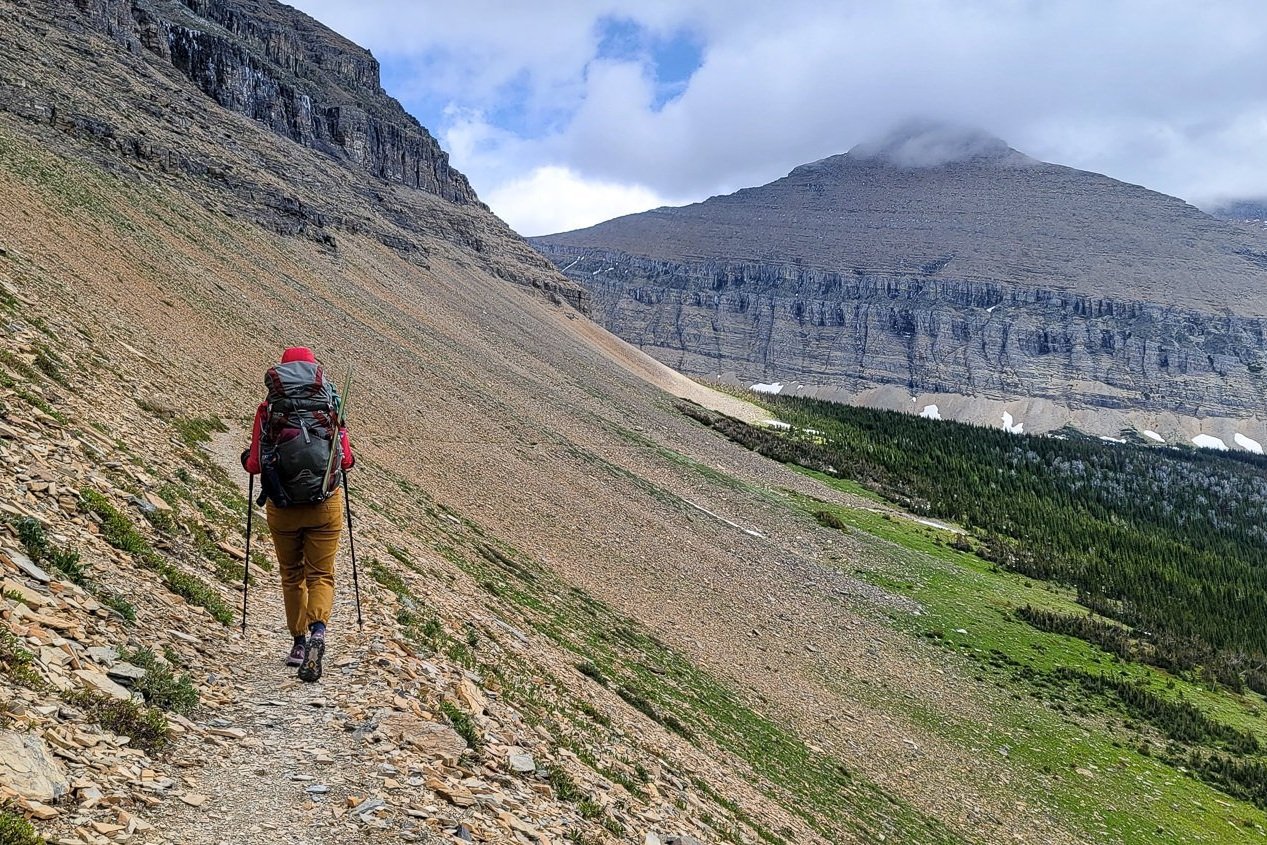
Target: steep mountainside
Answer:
pixel 945 267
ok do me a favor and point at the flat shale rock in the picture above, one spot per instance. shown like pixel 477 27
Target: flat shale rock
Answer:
pixel 428 737
pixel 27 767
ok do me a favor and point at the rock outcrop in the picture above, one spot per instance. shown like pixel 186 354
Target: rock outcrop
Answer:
pixel 157 85
pixel 937 266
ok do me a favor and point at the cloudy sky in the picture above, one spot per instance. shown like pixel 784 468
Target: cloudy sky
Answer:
pixel 564 113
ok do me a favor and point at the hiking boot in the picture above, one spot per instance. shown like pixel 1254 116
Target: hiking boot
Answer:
pixel 314 650
pixel 296 656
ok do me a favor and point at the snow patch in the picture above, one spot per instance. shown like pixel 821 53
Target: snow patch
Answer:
pixel 930 412
pixel 1247 444
pixel 751 532
pixel 777 424
pixel 932 523
pixel 1111 439
pixel 990 310
pixel 1009 426
pixel 1152 435
pixel 773 387
pixel 1209 441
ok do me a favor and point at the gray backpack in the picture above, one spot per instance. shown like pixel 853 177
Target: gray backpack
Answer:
pixel 299 430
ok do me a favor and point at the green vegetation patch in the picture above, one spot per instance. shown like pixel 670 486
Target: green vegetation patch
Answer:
pixel 38 547
pixel 1112 720
pixel 196 430
pixel 146 726
pixel 161 687
pixel 462 724
pixel 118 531
pixel 17 663
pixel 66 562
pixel 16 830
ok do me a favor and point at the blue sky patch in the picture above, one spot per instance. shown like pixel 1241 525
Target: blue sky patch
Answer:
pixel 670 60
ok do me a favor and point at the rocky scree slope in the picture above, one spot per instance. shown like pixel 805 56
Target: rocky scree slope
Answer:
pixel 943 265
pixel 403 737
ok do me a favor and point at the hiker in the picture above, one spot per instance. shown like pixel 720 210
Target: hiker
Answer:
pixel 291 444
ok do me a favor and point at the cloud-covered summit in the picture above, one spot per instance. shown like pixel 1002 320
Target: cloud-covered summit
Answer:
pixel 923 143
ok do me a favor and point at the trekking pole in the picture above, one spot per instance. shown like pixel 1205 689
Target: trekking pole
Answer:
pixel 246 566
pixel 356 583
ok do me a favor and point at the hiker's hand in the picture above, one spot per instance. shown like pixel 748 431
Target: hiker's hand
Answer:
pixel 246 456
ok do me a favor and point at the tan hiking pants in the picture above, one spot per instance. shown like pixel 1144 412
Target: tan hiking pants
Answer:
pixel 307 538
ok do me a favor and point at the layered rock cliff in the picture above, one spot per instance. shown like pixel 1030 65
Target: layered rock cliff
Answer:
pixel 384 175
pixel 975 278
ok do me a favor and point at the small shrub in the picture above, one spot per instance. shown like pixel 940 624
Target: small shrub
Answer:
pixel 565 789
pixel 160 687
pixel 161 519
pixel 638 702
pixel 424 630
pixel 16 661
pixel 672 723
pixel 460 654
pixel 590 670
pixel 827 519
pixel 195 430
pixel 31 533
pixel 39 549
pixel 226 568
pixel 47 364
pixel 158 409
pixel 146 726
pixel 387 578
pixel 595 716
pixel 66 561
pixel 261 561
pixel 400 555
pixel 15 830
pixel 462 723
pixel 119 605
pixel 589 808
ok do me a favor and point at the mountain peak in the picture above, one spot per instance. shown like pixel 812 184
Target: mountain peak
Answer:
pixel 924 143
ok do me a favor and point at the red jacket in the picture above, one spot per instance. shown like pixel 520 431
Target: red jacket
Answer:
pixel 253 459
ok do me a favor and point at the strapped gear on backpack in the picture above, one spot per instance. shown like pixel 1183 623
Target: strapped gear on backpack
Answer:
pixel 297 435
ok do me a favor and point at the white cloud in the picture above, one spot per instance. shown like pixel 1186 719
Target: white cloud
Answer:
pixel 1164 93
pixel 554 199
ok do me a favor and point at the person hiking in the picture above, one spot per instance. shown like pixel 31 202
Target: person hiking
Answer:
pixel 296 427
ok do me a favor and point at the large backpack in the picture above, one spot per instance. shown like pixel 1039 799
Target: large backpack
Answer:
pixel 299 429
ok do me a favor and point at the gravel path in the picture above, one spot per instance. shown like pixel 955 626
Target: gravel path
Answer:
pixel 294 765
